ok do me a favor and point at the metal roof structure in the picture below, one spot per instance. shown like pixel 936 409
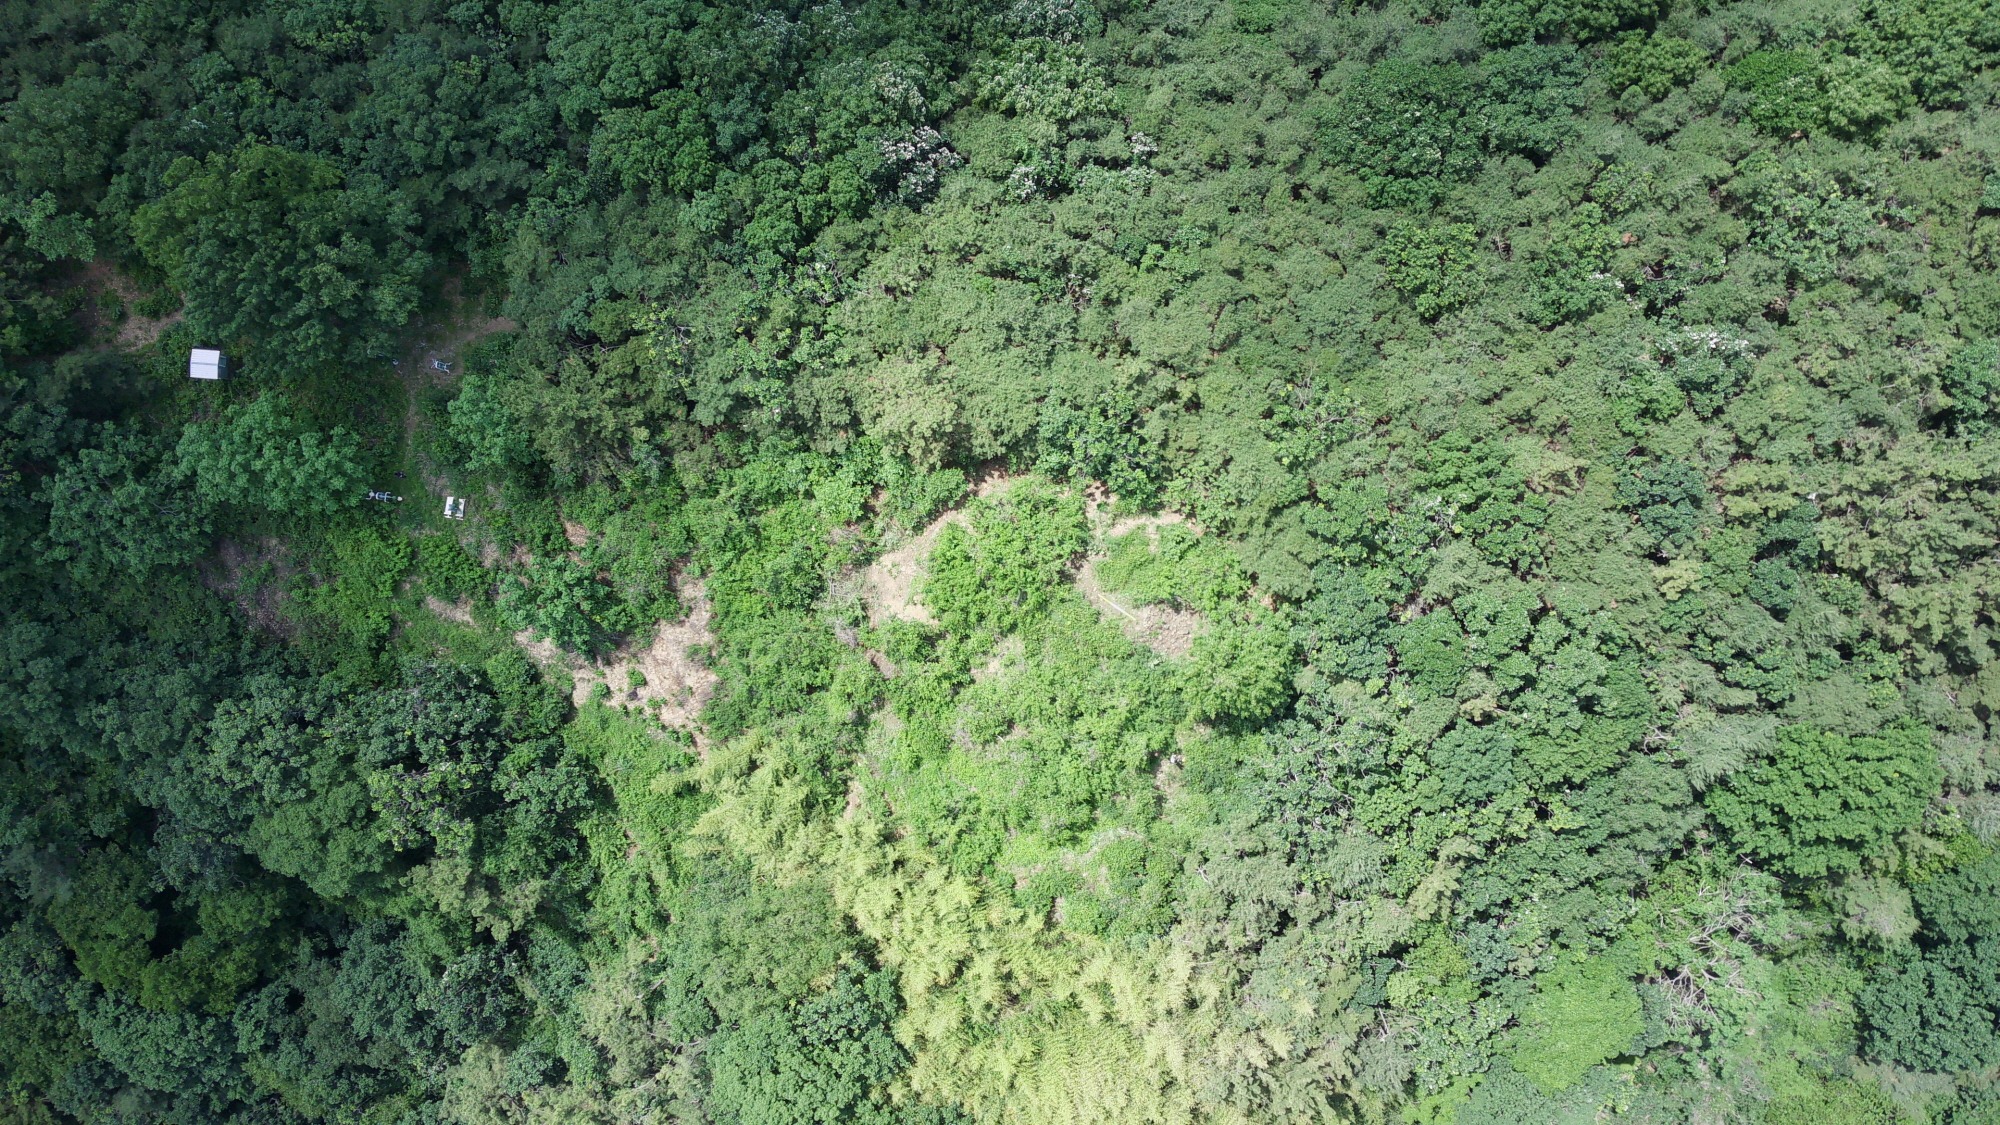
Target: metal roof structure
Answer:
pixel 207 363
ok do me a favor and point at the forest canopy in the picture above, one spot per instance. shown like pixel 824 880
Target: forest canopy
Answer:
pixel 1030 562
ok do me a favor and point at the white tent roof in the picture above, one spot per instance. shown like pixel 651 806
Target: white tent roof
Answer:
pixel 205 363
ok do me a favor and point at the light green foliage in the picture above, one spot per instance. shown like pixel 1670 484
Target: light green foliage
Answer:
pixel 1006 567
pixel 282 259
pixel 1824 802
pixel 1785 86
pixel 1239 671
pixel 1047 77
pixel 260 456
pixel 1875 911
pixel 1808 220
pixel 1065 729
pixel 1842 1102
pixel 1574 705
pixel 365 567
pixel 1934 47
pixel 1437 269
pixel 1583 1014
pixel 1174 565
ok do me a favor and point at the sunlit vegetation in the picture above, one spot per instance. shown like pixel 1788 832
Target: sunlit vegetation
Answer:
pixel 1215 561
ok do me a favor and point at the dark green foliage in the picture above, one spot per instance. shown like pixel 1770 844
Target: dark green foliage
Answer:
pixel 1671 501
pixel 1483 497
pixel 33 320
pixel 1972 382
pixel 828 1058
pixel 1824 802
pixel 449 569
pixel 1409 130
pixel 1941 1011
pixel 1101 441
pixel 1539 666
pixel 484 435
pixel 282 260
pixel 1570 271
pixel 116 507
pixel 1963 904
pixel 1534 89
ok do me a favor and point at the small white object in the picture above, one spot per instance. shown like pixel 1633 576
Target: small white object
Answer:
pixel 207 363
pixel 454 507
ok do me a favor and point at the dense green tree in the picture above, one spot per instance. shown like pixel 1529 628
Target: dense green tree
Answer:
pixel 116 507
pixel 260 456
pixel 1410 130
pixel 827 1059
pixel 284 260
pixel 1462 591
pixel 1824 802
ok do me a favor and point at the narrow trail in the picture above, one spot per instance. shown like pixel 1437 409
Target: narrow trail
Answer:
pixel 441 339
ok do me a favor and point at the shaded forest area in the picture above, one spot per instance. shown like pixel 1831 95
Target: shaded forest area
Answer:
pixel 1067 561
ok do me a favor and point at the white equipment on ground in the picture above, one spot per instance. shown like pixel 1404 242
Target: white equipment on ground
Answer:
pixel 207 363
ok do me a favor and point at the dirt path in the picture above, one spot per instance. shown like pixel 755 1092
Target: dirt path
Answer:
pixel 439 340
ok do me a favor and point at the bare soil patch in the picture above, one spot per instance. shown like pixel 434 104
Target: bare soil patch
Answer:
pixel 132 333
pixel 545 652
pixel 459 611
pixel 1164 629
pixel 676 681
pixel 890 585
pixel 253 576
pixel 1009 649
